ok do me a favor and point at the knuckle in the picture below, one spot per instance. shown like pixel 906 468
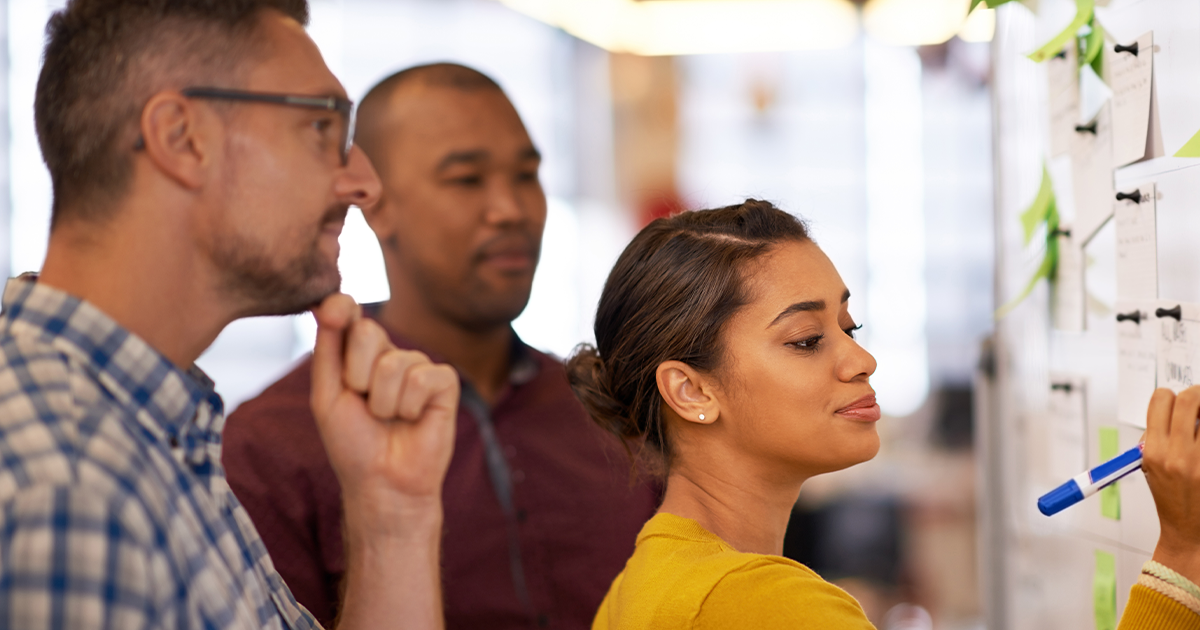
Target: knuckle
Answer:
pixel 1162 397
pixel 1171 468
pixel 418 357
pixel 442 377
pixel 421 377
pixel 391 363
pixel 1188 396
pixel 371 330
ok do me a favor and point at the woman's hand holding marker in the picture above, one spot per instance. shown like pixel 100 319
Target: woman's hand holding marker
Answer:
pixel 1171 462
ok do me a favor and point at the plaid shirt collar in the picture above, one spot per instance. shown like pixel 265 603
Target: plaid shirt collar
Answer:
pixel 175 406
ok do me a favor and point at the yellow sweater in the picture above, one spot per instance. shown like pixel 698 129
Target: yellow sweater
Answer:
pixel 683 576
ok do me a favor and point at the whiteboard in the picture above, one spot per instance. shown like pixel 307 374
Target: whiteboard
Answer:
pixel 1039 570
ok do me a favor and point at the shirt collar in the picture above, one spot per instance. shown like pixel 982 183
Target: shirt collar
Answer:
pixel 524 363
pixel 523 366
pixel 179 406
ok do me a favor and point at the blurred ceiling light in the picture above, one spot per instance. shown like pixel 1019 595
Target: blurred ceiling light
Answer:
pixel 914 22
pixel 683 27
pixel 980 25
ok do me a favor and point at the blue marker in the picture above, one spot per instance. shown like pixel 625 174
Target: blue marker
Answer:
pixel 1088 483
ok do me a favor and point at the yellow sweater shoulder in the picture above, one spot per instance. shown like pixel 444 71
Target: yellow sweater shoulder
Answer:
pixel 682 576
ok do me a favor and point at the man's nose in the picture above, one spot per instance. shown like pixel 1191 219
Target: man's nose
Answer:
pixel 358 184
pixel 503 206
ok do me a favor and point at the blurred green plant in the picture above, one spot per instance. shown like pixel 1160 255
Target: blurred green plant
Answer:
pixel 1043 211
pixel 1083 17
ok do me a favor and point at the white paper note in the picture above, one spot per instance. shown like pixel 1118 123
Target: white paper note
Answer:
pixel 1094 93
pixel 1178 344
pixel 1137 351
pixel 1062 72
pixel 1130 72
pixel 1069 303
pixel 1092 175
pixel 1068 425
pixel 1137 244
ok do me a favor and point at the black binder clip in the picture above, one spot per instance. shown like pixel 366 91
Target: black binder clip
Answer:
pixel 1061 232
pixel 1135 317
pixel 1089 128
pixel 1132 48
pixel 1064 387
pixel 1176 313
pixel 1135 196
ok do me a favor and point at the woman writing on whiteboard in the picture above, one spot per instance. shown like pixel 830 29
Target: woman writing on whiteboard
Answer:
pixel 725 349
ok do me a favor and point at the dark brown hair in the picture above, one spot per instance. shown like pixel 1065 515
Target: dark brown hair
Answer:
pixel 105 58
pixel 668 297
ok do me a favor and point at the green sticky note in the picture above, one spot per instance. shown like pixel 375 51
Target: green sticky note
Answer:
pixel 1191 148
pixel 1039 211
pixel 1110 497
pixel 1043 210
pixel 1046 270
pixel 1083 13
pixel 1104 591
pixel 1093 45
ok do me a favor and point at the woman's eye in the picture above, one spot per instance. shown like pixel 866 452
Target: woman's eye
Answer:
pixel 851 330
pixel 809 345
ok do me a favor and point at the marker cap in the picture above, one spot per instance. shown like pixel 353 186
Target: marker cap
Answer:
pixel 1060 498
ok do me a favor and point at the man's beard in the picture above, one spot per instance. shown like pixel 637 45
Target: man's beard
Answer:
pixel 277 289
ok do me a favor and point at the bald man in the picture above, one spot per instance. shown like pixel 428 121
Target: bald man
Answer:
pixel 540 514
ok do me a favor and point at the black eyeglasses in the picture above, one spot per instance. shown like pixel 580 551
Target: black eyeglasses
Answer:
pixel 342 106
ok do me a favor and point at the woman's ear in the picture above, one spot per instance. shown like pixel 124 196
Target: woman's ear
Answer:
pixel 690 394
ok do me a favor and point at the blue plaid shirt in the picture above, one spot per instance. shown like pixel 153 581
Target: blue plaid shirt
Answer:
pixel 114 509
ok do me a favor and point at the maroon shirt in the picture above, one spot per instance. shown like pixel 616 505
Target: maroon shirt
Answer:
pixel 570 528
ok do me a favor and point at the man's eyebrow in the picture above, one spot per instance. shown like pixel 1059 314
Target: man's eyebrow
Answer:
pixel 531 153
pixel 462 157
pixel 805 307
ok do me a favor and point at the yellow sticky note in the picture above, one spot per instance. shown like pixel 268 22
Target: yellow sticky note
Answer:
pixel 1191 148
pixel 1104 591
pixel 1110 497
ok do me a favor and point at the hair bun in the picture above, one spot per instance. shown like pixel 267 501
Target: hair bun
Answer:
pixel 591 382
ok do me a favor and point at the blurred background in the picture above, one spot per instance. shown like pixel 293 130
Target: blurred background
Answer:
pixel 870 120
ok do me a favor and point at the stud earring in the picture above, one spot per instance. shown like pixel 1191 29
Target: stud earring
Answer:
pixel 701 416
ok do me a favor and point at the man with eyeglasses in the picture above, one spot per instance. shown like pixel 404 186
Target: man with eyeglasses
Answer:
pixel 202 167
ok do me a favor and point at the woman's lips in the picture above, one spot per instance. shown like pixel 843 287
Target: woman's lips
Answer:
pixel 865 409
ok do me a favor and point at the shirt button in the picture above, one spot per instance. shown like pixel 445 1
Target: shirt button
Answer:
pixel 173 441
pixel 522 515
pixel 543 621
